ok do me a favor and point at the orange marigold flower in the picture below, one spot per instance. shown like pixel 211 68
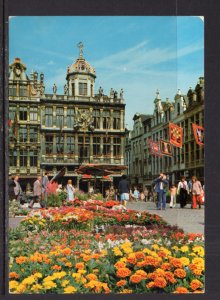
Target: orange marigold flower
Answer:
pixel 141 273
pixel 152 261
pixel 121 282
pixel 176 262
pixel 150 285
pixel 141 264
pixel 80 265
pixel 181 290
pixel 160 272
pixel 123 272
pixel 170 277
pixel 136 278
pixel 139 255
pixel 13 275
pixel 66 251
pixel 180 273
pixel 131 259
pixel 91 276
pixel 119 264
pixel 56 267
pixel 68 264
pixel 126 291
pixel 166 266
pixel 160 282
pixel 196 284
pixel 151 276
pixel 21 259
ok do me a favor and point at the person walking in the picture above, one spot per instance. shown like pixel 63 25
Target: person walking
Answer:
pixel 196 192
pixel 17 189
pixel 183 191
pixel 70 190
pixel 146 192
pixel 37 191
pixel 161 187
pixel 173 191
pixel 11 186
pixel 124 189
pixel 45 182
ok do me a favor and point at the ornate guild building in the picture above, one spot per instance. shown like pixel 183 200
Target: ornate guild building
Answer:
pixel 50 131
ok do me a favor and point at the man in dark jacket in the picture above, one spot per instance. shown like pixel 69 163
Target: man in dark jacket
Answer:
pixel 11 185
pixel 124 189
pixel 162 186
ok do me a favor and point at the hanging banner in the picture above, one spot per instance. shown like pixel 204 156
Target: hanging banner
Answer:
pixel 154 147
pixel 166 148
pixel 176 135
pixel 198 134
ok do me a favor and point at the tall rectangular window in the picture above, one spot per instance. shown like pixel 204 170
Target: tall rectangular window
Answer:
pixel 117 147
pixel 33 158
pixel 13 158
pixel 49 116
pixel 60 144
pixel 70 117
pixel 70 145
pixel 59 116
pixel 33 134
pixel 82 88
pixel 96 118
pixel 96 146
pixel 12 112
pixel 23 91
pixel 106 120
pixel 23 158
pixel 73 89
pixel 23 113
pixel 116 120
pixel 22 134
pixel 13 90
pixel 107 146
pixel 49 144
pixel 33 113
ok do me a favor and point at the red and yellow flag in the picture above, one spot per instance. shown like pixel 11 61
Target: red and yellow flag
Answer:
pixel 198 134
pixel 176 135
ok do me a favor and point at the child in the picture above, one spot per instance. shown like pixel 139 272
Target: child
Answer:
pixel 172 196
pixel 136 194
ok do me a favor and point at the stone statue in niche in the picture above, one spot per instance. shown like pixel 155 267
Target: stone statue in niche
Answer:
pixel 66 89
pixel 101 91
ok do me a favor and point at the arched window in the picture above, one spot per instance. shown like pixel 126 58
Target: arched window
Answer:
pixel 178 109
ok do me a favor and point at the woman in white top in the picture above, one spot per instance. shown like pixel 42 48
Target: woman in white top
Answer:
pixel 183 191
pixel 70 190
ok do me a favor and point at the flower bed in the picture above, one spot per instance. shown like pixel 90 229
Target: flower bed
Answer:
pixel 134 253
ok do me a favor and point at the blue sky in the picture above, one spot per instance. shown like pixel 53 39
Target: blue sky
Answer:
pixel 139 54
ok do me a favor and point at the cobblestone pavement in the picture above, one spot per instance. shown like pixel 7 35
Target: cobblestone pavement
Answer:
pixel 190 220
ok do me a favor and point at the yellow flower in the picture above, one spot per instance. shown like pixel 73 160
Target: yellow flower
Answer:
pixel 30 221
pixel 13 284
pixel 69 290
pixel 184 249
pixel 29 280
pixel 199 250
pixel 49 278
pixel 21 288
pixel 49 285
pixel 155 247
pixel 185 261
pixel 81 271
pixel 36 287
pixel 64 283
pixel 38 275
pixel 175 248
pixel 117 251
pixel 123 259
pixel 68 264
pixel 59 275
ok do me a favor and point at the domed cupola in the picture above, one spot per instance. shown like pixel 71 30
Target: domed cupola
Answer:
pixel 81 77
